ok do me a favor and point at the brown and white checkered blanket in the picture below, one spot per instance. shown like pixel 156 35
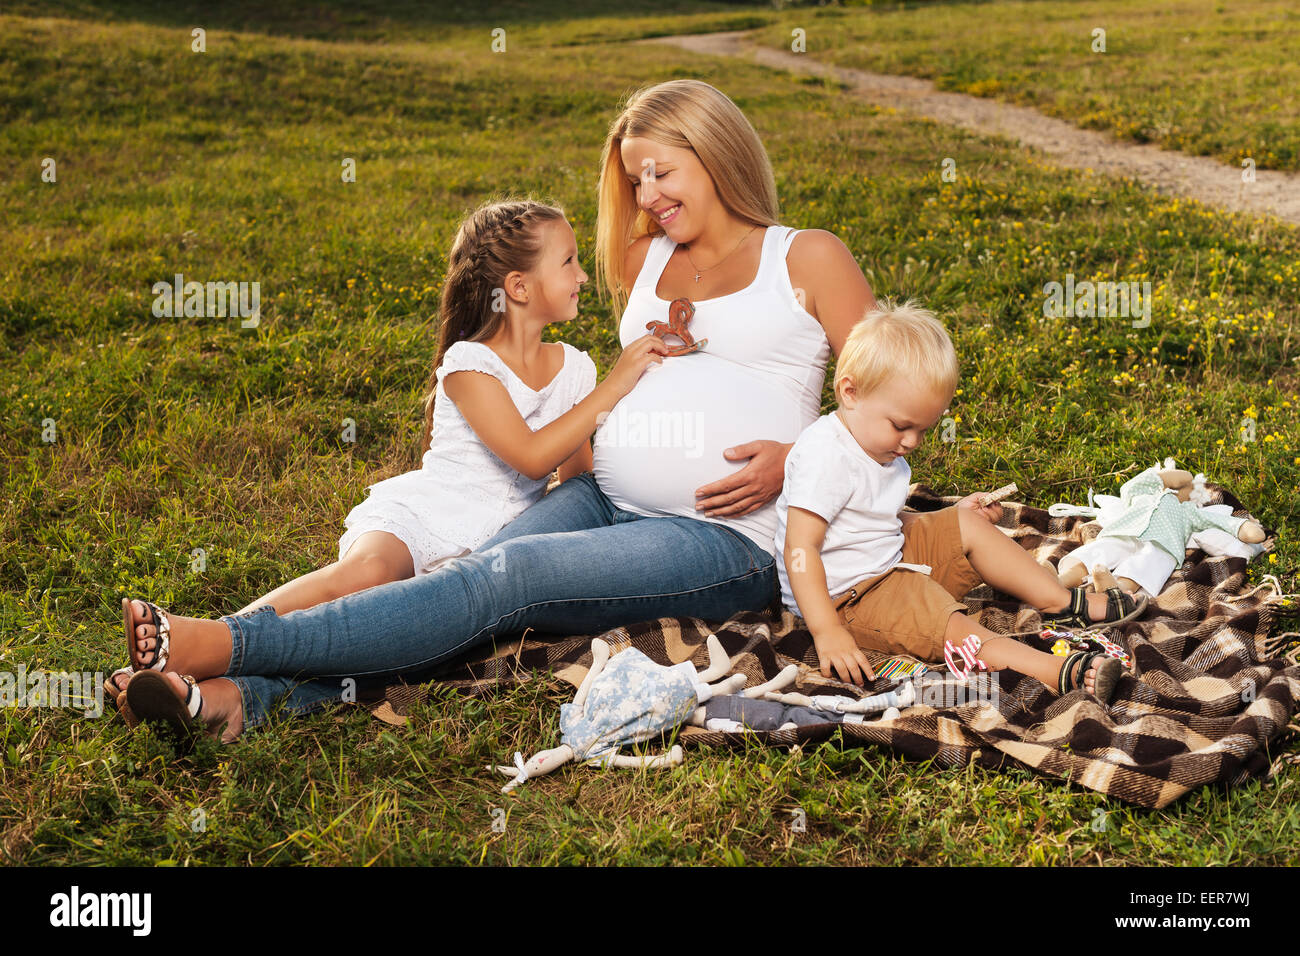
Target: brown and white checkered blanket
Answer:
pixel 1209 696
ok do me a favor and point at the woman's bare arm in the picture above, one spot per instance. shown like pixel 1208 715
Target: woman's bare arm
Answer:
pixel 836 293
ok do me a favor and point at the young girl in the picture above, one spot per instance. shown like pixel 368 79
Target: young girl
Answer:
pixel 504 409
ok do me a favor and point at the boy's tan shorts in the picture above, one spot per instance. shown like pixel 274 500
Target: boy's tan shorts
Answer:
pixel 906 612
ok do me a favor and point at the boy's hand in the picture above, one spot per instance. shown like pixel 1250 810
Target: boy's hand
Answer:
pixel 992 513
pixel 837 649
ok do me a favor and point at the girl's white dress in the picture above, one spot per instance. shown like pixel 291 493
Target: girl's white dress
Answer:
pixel 463 493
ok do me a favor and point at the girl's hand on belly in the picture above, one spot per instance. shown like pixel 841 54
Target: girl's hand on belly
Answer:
pixel 750 488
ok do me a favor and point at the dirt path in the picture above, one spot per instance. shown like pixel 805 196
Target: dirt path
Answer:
pixel 1196 177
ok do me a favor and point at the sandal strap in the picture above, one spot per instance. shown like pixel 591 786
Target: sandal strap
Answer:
pixel 1074 669
pixel 193 697
pixel 1087 665
pixel 164 638
pixel 1074 614
pixel 1119 603
pixel 1064 681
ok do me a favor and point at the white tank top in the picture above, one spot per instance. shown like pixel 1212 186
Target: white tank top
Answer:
pixel 759 377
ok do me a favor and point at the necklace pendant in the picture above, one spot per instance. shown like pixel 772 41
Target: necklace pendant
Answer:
pixel 697 277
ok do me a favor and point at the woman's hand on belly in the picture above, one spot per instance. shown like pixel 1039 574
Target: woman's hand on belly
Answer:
pixel 749 488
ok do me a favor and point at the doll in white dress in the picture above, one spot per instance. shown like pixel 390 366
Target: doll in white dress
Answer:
pixel 503 411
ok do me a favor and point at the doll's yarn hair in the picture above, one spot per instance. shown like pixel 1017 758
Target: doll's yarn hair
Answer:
pixel 496 239
pixel 904 340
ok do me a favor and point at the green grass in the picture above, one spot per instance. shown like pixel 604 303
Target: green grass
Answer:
pixel 1202 76
pixel 178 434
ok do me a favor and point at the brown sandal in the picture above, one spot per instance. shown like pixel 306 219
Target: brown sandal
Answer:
pixel 119 698
pixel 1120 607
pixel 1075 669
pixel 152 700
pixel 162 649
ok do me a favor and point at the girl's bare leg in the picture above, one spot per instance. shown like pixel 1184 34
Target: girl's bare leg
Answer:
pixel 1012 570
pixel 376 557
pixel 999 651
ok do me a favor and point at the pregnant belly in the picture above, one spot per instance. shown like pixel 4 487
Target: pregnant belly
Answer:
pixel 666 437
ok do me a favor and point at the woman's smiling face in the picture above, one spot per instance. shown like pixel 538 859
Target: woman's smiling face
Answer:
pixel 664 177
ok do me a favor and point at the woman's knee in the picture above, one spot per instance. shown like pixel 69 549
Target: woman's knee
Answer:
pixel 576 505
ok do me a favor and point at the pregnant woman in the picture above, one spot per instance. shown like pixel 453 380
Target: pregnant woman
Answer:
pixel 677 517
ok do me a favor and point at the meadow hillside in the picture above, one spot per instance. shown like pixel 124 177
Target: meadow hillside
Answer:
pixel 199 463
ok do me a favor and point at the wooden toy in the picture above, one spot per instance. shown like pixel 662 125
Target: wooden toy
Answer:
pixel 680 312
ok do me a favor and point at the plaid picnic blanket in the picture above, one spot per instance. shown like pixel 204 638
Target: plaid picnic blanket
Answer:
pixel 1210 693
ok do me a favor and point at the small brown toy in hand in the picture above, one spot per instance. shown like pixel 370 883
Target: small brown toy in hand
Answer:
pixel 680 312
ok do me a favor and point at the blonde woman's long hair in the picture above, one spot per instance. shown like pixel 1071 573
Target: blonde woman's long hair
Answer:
pixel 687 114
pixel 496 239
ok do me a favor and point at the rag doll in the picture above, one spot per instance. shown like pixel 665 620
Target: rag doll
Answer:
pixel 628 698
pixel 1146 531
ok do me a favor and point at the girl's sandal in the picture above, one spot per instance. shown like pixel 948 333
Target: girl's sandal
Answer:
pixel 157 659
pixel 1120 607
pixel 152 699
pixel 1075 668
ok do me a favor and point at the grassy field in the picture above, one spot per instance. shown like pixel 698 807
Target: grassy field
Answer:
pixel 1200 76
pixel 178 434
pixel 1207 77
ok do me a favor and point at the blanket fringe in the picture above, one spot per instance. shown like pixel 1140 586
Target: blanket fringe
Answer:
pixel 1277 595
pixel 1274 644
pixel 1285 759
pixel 1276 600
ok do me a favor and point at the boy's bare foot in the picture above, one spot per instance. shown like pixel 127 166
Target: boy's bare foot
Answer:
pixel 197 647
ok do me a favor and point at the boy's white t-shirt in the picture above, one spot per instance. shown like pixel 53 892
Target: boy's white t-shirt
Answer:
pixel 829 474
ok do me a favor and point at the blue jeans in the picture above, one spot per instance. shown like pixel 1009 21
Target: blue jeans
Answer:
pixel 570 564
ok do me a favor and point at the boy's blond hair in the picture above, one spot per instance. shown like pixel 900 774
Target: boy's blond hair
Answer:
pixel 904 340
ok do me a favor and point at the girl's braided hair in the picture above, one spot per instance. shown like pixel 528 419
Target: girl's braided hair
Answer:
pixel 496 239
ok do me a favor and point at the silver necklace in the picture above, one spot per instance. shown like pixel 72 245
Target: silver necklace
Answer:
pixel 699 272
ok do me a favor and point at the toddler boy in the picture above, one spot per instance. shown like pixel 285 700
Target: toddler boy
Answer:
pixel 865 574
